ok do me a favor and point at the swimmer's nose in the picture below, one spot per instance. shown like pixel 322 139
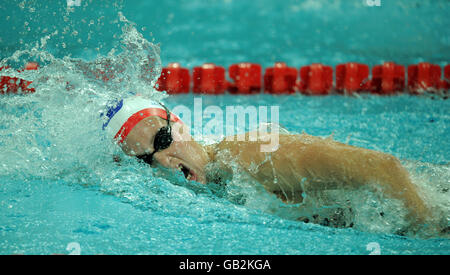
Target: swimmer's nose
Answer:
pixel 162 159
pixel 165 157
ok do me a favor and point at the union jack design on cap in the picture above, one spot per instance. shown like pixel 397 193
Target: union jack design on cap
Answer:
pixel 127 113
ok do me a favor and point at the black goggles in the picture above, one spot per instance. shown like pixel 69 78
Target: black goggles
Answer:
pixel 163 139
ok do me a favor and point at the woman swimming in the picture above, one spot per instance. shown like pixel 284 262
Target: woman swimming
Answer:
pixel 146 129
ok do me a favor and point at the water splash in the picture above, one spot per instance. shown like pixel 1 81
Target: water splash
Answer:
pixel 56 129
pixel 54 135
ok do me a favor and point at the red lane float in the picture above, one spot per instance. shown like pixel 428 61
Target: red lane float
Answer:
pixel 4 80
pixel 12 84
pixel 174 79
pixel 280 79
pixel 247 78
pixel 388 78
pixel 424 77
pixel 31 66
pixel 209 79
pixel 8 84
pixel 446 81
pixel 316 79
pixel 352 77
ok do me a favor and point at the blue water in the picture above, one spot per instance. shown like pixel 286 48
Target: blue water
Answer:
pixel 229 31
pixel 42 216
pixel 59 185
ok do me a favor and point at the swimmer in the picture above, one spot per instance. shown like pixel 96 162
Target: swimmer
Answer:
pixel 145 129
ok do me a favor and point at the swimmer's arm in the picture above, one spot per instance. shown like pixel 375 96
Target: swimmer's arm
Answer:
pixel 326 163
pixel 329 161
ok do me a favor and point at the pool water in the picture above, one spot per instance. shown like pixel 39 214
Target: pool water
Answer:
pixel 124 210
pixel 61 192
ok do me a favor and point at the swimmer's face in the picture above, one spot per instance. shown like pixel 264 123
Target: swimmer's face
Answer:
pixel 184 154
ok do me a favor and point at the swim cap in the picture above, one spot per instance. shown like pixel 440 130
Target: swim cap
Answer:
pixel 127 113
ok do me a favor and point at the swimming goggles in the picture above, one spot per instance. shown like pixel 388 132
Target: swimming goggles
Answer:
pixel 163 139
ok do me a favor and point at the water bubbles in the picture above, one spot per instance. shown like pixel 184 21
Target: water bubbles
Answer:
pixel 170 17
pixel 63 114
